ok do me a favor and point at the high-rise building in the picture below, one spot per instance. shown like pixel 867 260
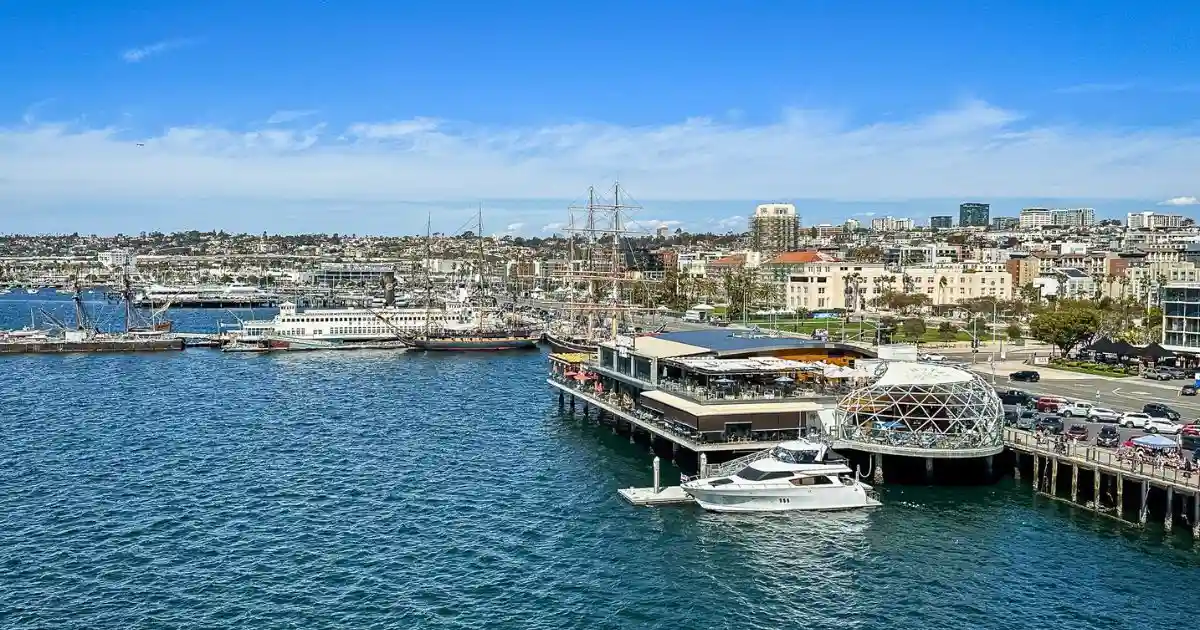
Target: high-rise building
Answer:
pixel 974 214
pixel 1072 217
pixel 775 228
pixel 1032 218
pixel 941 222
pixel 890 224
pixel 1152 220
pixel 1005 223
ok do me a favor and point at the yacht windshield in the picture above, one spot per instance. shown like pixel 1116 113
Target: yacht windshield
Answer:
pixel 751 473
pixel 794 457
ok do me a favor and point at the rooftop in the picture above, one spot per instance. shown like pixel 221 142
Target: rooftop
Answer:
pixel 791 258
pixel 726 343
pixel 753 365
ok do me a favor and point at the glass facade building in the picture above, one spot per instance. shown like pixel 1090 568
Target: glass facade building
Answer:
pixel 974 214
pixel 1181 316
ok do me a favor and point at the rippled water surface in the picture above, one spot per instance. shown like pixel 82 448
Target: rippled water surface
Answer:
pixel 382 490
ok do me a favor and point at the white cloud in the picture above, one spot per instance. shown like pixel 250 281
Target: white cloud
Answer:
pixel 289 115
pixel 735 221
pixel 394 130
pixel 864 214
pixel 1180 201
pixel 650 225
pixel 972 151
pixel 513 227
pixel 552 227
pixel 134 55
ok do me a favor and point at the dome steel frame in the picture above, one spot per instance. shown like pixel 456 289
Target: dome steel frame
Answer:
pixel 955 418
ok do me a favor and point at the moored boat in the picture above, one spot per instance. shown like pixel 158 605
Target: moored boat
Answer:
pixel 797 475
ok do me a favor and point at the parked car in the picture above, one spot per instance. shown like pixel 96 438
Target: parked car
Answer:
pixel 1075 408
pixel 1156 374
pixel 1108 436
pixel 1011 414
pixel 1176 373
pixel 1190 429
pixel 1077 432
pixel 1051 403
pixel 1187 390
pixel 1102 414
pixel 1028 376
pixel 1161 425
pixel 1134 420
pixel 1027 420
pixel 1159 410
pixel 1050 423
pixel 1016 397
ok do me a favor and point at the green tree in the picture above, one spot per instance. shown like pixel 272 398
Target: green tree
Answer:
pixel 1014 331
pixel 1073 322
pixel 914 328
pixel 947 331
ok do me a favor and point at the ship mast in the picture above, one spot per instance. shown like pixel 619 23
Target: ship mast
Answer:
pixel 428 279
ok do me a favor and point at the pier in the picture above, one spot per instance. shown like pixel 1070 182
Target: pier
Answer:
pixel 1092 478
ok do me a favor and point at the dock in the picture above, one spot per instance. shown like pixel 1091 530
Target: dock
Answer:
pixel 1093 478
pixel 647 497
pixel 60 346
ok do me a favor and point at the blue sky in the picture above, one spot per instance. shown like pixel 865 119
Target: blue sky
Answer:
pixel 365 116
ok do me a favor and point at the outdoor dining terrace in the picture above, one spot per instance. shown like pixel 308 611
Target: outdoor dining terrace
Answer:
pixel 757 379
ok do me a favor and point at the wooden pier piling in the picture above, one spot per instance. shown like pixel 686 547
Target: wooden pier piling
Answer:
pixel 1074 483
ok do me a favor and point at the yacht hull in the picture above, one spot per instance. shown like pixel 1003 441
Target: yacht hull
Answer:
pixel 564 344
pixel 778 498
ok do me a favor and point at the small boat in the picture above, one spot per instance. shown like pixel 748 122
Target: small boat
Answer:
pixel 32 291
pixel 797 475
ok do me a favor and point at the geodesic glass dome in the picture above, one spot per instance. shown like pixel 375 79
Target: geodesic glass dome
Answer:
pixel 921 406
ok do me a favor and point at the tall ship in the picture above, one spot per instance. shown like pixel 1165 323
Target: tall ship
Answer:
pixel 85 336
pixel 488 328
pixel 596 277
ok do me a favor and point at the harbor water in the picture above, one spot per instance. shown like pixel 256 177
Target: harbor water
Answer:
pixel 377 489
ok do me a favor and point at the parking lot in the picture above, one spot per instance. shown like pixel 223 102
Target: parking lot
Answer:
pixel 1122 396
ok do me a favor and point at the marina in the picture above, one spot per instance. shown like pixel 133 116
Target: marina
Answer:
pixel 589 467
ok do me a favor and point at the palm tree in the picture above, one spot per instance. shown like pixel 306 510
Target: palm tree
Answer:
pixel 942 284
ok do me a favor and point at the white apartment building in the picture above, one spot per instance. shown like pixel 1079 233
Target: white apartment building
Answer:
pixel 829 285
pixel 1152 221
pixel 1072 217
pixel 116 258
pixel 891 224
pixel 1031 218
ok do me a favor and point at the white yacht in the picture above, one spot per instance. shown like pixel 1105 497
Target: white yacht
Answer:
pixel 796 475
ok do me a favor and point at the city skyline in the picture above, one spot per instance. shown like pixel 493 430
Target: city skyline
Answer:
pixel 227 117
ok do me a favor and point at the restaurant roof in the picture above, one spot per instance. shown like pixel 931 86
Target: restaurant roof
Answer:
pixel 657 347
pixel 753 365
pixel 726 342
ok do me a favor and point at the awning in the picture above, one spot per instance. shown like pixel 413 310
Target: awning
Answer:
pixel 1157 442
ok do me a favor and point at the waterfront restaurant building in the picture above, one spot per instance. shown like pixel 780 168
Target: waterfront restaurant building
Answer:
pixel 720 390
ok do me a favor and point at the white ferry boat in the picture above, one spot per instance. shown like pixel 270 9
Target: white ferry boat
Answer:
pixel 238 294
pixel 321 326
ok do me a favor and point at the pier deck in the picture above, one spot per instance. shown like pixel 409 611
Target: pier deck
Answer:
pixel 659 431
pixel 1103 460
pixel 647 497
